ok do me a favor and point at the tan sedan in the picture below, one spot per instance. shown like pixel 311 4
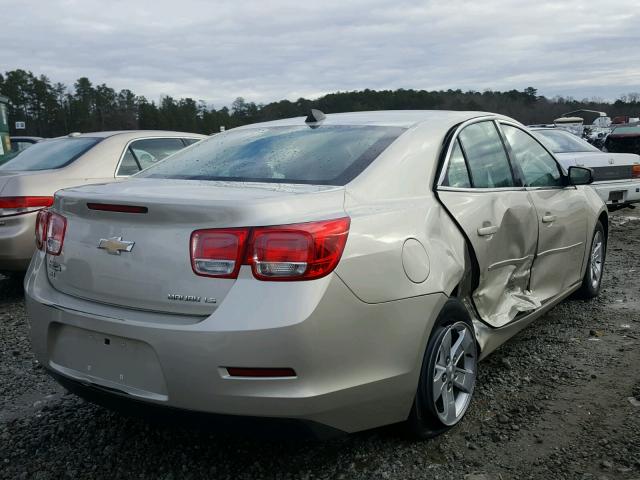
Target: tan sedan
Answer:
pixel 29 180
pixel 347 271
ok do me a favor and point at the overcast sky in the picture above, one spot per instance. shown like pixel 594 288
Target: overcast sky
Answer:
pixel 266 50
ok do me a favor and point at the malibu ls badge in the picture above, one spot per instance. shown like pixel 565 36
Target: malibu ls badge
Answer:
pixel 115 245
pixel 190 298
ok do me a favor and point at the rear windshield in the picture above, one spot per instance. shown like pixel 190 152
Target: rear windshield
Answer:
pixel 7 156
pixel 327 155
pixel 563 142
pixel 50 154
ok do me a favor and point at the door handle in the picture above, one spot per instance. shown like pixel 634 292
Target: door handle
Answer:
pixel 548 218
pixel 489 230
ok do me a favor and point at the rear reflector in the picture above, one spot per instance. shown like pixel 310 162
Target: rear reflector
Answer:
pixel 635 171
pixel 56 228
pixel 260 372
pixel 108 207
pixel 10 206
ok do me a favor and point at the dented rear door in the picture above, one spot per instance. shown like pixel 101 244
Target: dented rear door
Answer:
pixel 480 191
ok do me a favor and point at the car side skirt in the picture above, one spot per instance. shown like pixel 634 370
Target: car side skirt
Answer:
pixel 490 338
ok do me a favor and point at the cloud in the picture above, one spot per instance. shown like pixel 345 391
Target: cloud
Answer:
pixel 265 51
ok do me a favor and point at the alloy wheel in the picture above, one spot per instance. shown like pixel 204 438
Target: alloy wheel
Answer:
pixel 455 372
pixel 597 257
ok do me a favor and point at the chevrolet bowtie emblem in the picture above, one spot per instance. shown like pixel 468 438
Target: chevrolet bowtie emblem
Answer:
pixel 115 245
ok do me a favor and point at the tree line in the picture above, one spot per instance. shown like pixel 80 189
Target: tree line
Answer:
pixel 51 109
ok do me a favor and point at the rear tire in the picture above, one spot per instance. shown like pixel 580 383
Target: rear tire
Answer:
pixel 592 280
pixel 448 375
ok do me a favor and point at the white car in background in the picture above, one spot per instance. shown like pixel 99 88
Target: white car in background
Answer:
pixel 616 176
pixel 29 180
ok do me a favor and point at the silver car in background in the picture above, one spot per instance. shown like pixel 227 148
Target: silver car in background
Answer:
pixel 29 179
pixel 616 176
pixel 346 270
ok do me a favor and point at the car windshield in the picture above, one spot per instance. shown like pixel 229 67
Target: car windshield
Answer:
pixel 563 142
pixel 50 154
pixel 326 155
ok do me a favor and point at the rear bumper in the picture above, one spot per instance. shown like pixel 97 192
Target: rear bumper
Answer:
pixel 233 424
pixel 17 242
pixel 618 193
pixel 357 364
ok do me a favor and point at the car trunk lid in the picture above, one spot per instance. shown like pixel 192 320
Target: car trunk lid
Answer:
pixel 606 167
pixel 9 177
pixel 144 260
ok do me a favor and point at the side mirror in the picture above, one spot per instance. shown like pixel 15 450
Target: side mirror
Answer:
pixel 580 176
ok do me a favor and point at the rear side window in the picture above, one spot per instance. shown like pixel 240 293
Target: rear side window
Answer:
pixel 141 154
pixel 190 141
pixel 457 174
pixel 326 155
pixel 129 165
pixel 539 169
pixel 50 154
pixel 486 156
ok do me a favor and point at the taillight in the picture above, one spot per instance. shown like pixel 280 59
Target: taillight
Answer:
pixel 218 252
pixel 280 252
pixel 303 251
pixel 56 228
pixel 10 206
pixel 635 171
pixel 41 228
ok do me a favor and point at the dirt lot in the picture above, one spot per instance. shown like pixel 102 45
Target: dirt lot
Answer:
pixel 560 400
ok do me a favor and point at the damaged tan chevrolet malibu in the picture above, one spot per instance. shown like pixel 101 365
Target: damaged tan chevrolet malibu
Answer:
pixel 345 271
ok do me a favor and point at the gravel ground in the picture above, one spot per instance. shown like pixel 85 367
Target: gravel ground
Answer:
pixel 559 401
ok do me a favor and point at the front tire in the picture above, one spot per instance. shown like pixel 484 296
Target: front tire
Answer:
pixel 448 376
pixel 592 280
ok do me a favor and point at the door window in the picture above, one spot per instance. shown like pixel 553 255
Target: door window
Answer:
pixel 539 168
pixel 488 162
pixel 141 154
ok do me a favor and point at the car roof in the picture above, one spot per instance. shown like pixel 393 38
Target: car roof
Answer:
pixel 396 118
pixel 135 133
